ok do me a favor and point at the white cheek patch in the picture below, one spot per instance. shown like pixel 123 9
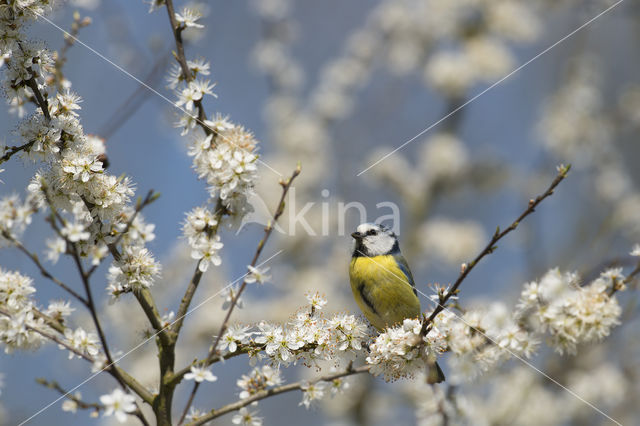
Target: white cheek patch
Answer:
pixel 379 244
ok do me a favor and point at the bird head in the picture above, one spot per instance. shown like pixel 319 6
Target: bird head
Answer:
pixel 373 239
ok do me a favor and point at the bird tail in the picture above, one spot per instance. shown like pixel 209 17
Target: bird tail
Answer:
pixel 435 374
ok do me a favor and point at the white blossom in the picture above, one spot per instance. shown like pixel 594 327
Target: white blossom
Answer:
pixel 316 300
pixel 246 418
pixel 257 275
pixel 79 339
pixel 229 295
pixel 234 336
pixel 75 232
pixel 189 18
pixel 258 380
pixel 200 374
pixel 55 247
pixel 70 404
pixel 119 404
pixel 312 392
pixel 136 268
pixel 206 250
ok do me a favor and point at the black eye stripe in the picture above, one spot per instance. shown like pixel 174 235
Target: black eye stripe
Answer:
pixel 372 232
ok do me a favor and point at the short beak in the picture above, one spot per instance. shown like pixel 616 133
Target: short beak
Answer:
pixel 356 235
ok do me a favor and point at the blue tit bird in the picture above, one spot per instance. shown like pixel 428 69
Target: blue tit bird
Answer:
pixel 382 283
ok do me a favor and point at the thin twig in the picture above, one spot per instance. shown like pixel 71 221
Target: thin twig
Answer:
pixel 43 270
pixel 93 311
pixel 182 60
pixel 497 236
pixel 619 286
pixel 11 150
pixel 141 204
pixel 274 391
pixel 286 185
pixel 69 40
pixel 80 403
pixel 241 350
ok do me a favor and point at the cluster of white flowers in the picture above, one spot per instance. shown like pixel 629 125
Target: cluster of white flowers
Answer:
pixel 226 155
pixel 227 161
pixel 15 216
pixel 407 32
pixel 86 343
pixel 200 230
pixel 258 380
pixel 91 205
pixel 309 337
pixel 572 314
pixel 58 310
pixel 16 291
pixel 574 123
pixel 403 351
pixel 20 319
pixel 134 270
pixel 482 53
pixel 482 338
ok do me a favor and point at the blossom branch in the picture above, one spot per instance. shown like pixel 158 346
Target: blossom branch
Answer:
pixel 51 322
pixel 286 185
pixel 182 60
pixel 145 300
pixel 197 276
pixel 42 102
pixel 124 380
pixel 69 40
pixel 137 387
pixel 622 284
pixel 84 276
pixel 43 270
pixel 44 107
pixel 11 150
pixel 274 391
pixel 141 204
pixel 241 350
pixel 563 171
pixel 94 315
pixel 79 403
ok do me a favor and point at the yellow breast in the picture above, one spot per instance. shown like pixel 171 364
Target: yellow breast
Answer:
pixel 382 290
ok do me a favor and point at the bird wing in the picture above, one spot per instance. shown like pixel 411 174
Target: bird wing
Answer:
pixel 404 267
